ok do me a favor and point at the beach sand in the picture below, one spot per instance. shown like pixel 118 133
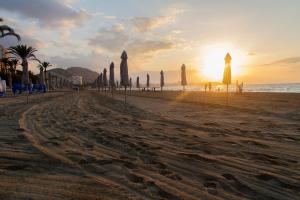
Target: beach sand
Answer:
pixel 170 145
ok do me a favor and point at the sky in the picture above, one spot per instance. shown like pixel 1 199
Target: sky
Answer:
pixel 262 36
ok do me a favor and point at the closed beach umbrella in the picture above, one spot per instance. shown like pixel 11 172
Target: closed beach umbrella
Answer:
pixel 148 81
pixel 105 82
pixel 138 82
pixel 112 75
pixel 227 70
pixel 162 80
pixel 100 82
pixel 124 70
pixel 183 76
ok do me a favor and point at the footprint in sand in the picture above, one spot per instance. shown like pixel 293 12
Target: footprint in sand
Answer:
pixel 211 185
pixel 276 180
pixel 135 179
pixel 154 189
pixel 16 167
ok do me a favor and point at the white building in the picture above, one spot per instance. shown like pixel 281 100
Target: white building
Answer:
pixel 77 80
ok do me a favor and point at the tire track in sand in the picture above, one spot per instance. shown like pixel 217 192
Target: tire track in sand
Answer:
pixel 143 154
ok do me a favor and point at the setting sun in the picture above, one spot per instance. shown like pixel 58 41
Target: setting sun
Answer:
pixel 212 62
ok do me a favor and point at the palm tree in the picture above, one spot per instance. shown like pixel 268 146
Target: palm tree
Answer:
pixel 6 31
pixel 24 53
pixel 41 68
pixel 12 70
pixel 15 63
pixel 5 62
pixel 45 65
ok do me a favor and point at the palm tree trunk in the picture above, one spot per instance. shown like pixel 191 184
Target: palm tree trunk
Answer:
pixel 45 76
pixel 42 81
pixel 25 76
pixel 10 79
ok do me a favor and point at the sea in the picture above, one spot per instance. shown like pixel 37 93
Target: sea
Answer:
pixel 281 88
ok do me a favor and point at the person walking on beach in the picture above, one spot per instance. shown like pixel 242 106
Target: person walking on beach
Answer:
pixel 209 86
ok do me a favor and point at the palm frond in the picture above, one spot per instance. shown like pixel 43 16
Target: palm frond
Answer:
pixel 11 34
pixel 23 51
pixel 7 31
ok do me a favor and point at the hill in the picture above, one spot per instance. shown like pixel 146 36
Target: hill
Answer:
pixel 88 76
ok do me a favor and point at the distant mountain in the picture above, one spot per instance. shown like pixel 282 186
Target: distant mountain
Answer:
pixel 60 71
pixel 88 76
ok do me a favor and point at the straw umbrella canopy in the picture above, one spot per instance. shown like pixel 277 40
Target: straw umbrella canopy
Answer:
pixel 138 82
pixel 227 70
pixel 112 75
pixel 183 76
pixel 162 80
pixel 148 81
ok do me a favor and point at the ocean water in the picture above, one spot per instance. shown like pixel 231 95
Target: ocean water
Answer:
pixel 283 88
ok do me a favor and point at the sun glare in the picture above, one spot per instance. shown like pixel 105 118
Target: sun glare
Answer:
pixel 212 61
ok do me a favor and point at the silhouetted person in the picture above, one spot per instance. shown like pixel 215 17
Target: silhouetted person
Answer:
pixel 209 86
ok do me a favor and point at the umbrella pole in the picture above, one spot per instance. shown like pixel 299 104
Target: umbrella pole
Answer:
pixel 125 96
pixel 27 95
pixel 227 96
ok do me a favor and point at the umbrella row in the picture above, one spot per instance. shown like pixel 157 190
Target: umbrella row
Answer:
pixel 104 83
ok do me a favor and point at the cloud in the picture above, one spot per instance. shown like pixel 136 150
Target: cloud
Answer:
pixel 140 51
pixel 110 17
pixel 48 13
pixel 26 39
pixel 112 39
pixel 143 24
pixel 251 54
pixel 286 61
pixel 148 46
pixel 91 60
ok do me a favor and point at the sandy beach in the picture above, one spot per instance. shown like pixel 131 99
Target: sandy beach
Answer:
pixel 170 145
